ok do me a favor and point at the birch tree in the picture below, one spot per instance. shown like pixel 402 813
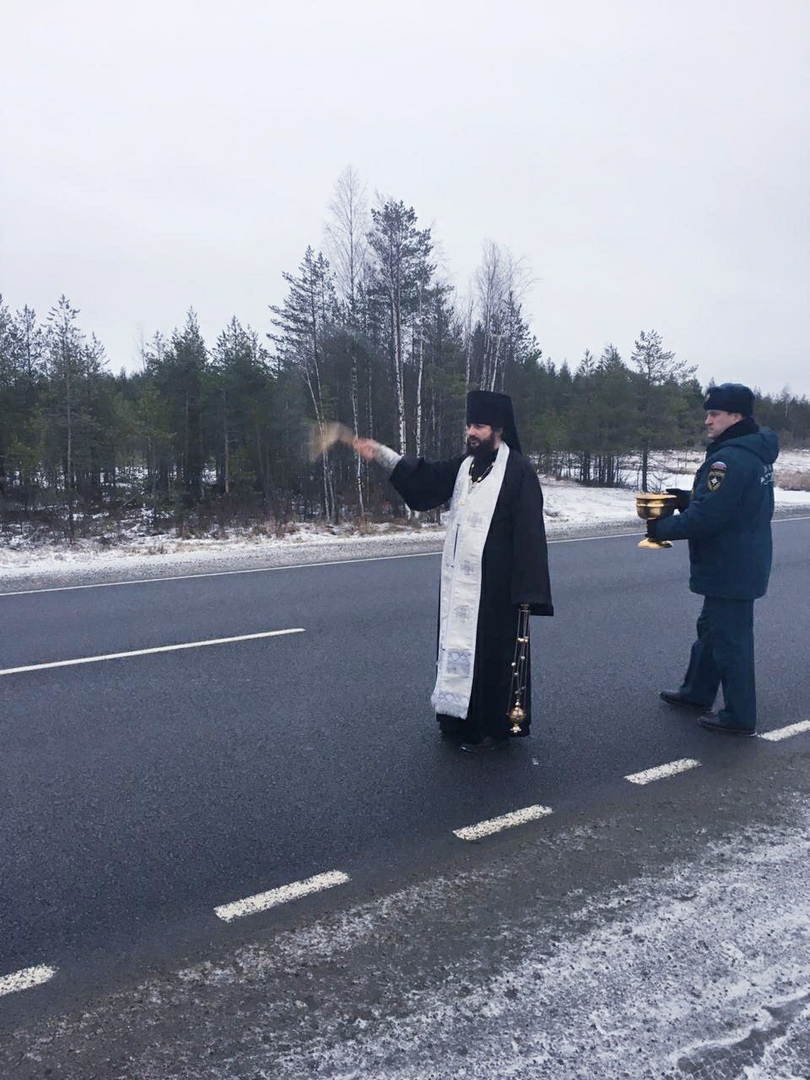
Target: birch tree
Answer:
pixel 347 236
pixel 500 283
pixel 401 269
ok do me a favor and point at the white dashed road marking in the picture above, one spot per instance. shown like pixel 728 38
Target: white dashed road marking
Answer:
pixel 786 732
pixel 150 652
pixel 660 772
pixel 506 821
pixel 262 901
pixel 25 979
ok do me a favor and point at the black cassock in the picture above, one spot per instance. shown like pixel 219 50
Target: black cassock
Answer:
pixel 514 571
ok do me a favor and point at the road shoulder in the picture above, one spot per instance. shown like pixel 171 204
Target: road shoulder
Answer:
pixel 661 934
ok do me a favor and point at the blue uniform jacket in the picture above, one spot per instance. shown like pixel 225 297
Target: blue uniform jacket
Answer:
pixel 728 520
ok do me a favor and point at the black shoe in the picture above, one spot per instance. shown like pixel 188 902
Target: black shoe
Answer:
pixel 485 744
pixel 675 697
pixel 712 722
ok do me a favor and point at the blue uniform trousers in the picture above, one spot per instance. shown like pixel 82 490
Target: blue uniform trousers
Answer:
pixel 723 655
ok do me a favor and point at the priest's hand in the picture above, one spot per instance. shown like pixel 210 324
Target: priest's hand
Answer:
pixel 366 448
pixel 684 497
pixel 383 455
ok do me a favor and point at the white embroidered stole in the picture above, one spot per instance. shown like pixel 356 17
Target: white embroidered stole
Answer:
pixel 471 510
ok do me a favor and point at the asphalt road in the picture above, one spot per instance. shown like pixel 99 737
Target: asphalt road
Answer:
pixel 137 794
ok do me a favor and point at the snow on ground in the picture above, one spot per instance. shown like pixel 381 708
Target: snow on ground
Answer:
pixel 569 508
pixel 701 973
pixel 696 969
pixel 136 553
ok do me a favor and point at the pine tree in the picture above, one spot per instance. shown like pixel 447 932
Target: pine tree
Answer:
pixel 178 371
pixel 244 392
pixel 659 380
pixel 71 366
pixel 305 343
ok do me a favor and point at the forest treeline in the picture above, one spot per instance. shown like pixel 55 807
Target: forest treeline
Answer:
pixel 368 333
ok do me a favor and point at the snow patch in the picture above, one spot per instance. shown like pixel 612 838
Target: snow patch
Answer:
pixel 707 975
pixel 569 507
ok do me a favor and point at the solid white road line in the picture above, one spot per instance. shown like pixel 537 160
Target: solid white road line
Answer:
pixel 506 821
pixel 221 573
pixel 25 979
pixel 662 771
pixel 309 565
pixel 269 569
pixel 150 652
pixel 786 732
pixel 262 901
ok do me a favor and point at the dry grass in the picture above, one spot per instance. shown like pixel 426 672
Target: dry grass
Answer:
pixel 793 481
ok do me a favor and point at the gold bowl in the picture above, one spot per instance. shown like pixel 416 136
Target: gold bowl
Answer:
pixel 654 504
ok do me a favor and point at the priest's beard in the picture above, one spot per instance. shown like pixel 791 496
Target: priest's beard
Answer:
pixel 481 448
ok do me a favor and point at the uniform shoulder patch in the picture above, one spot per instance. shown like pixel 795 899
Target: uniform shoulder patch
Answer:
pixel 716 477
pixel 719 465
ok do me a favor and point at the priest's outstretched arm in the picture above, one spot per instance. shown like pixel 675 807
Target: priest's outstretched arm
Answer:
pixel 371 450
pixel 423 485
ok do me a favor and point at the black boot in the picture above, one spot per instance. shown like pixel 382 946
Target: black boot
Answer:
pixel 675 697
pixel 712 722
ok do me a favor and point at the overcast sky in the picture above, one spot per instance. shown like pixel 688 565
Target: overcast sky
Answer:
pixel 649 158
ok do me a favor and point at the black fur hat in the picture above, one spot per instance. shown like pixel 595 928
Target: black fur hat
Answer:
pixel 730 397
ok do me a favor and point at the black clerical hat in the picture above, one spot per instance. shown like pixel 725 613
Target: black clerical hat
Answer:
pixel 487 407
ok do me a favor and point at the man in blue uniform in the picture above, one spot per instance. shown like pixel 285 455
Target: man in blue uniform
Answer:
pixel 727 520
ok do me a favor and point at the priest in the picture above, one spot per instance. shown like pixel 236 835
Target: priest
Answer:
pixel 495 561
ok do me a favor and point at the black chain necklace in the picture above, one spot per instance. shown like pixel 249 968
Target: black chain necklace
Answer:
pixel 484 474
